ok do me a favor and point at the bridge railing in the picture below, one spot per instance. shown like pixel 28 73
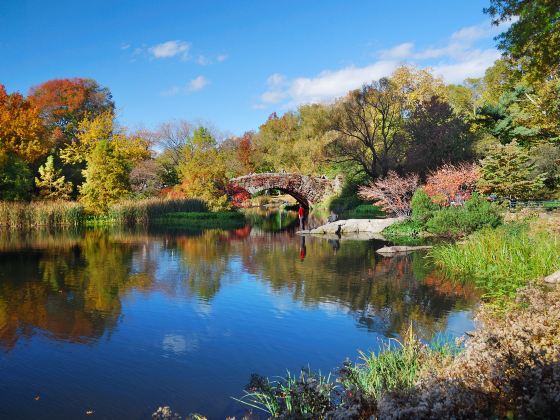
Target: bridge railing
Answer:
pixel 534 204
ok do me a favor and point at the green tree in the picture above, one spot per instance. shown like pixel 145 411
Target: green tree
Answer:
pixel 16 180
pixel 51 184
pixel 534 38
pixel 508 171
pixel 106 177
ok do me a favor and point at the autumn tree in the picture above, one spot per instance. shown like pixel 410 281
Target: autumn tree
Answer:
pixel 51 184
pixel 106 177
pixel 370 123
pixel 436 136
pixel 508 171
pixel 534 36
pixel 393 193
pixel 21 131
pixel 203 173
pixel 369 128
pixel 63 103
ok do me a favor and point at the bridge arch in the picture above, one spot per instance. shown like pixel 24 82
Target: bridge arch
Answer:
pixel 307 190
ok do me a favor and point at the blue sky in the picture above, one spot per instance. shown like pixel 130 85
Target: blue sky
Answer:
pixel 232 63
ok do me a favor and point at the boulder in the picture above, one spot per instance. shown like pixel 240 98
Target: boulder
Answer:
pixel 391 250
pixel 553 278
pixel 355 225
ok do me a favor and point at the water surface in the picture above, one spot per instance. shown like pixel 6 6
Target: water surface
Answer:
pixel 122 322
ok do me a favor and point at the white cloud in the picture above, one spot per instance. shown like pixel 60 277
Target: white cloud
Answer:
pixel 125 46
pixel 397 52
pixel 198 83
pixel 276 79
pixel 222 57
pixel 203 61
pixel 194 85
pixel 172 91
pixel 170 49
pixel 458 58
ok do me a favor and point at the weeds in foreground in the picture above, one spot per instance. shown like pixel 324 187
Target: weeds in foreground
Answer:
pixel 358 386
pixel 309 395
pixel 501 260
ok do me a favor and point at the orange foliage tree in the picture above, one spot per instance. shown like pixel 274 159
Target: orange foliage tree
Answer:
pixel 452 184
pixel 393 193
pixel 63 103
pixel 245 153
pixel 21 131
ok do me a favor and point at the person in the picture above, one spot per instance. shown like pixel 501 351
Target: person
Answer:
pixel 332 218
pixel 301 214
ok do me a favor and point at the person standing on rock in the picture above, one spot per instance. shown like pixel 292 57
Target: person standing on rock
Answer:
pixel 301 214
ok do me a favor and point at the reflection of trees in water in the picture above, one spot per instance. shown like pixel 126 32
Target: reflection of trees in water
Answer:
pixel 270 220
pixel 69 293
pixel 71 288
pixel 384 294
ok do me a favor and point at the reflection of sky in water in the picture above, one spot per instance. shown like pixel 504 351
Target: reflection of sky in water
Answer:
pixel 185 320
pixel 179 344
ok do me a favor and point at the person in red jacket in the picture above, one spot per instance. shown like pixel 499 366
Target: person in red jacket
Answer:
pixel 301 214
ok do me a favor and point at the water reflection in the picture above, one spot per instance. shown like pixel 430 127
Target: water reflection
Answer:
pixel 70 287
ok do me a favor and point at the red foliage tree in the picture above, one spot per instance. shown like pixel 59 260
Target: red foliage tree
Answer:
pixel 452 184
pixel 393 193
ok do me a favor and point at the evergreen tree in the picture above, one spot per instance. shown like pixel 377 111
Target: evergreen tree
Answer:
pixel 52 185
pixel 508 171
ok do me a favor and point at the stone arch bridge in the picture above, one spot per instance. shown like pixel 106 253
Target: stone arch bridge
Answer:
pixel 307 190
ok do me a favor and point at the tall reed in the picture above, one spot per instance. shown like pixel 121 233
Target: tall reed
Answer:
pixel 141 212
pixel 15 215
pixel 501 260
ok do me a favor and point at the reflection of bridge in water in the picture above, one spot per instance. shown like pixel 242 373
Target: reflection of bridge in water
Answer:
pixel 307 190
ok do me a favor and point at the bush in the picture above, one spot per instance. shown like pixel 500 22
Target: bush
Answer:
pixel 475 214
pixel 423 208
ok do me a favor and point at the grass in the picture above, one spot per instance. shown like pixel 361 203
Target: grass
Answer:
pixel 225 220
pixel 501 260
pixel 363 211
pixel 14 215
pixel 143 212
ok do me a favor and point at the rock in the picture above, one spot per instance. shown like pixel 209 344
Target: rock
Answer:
pixel 391 250
pixel 355 225
pixel 553 278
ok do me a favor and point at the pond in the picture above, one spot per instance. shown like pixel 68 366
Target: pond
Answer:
pixel 121 322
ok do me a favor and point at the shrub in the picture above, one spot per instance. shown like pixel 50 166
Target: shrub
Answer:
pixel 423 208
pixel 452 184
pixel 393 193
pixel 510 368
pixel 475 214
